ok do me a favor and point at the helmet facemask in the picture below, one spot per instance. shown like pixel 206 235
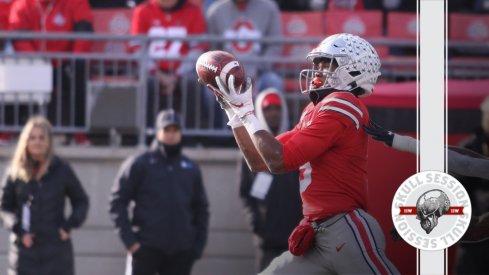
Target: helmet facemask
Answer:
pixel 321 76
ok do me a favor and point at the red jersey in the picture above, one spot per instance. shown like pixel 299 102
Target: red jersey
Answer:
pixel 4 12
pixel 148 18
pixel 329 147
pixel 49 16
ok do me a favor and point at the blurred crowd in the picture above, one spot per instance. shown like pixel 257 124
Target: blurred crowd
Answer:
pixel 167 80
pixel 170 82
pixel 480 6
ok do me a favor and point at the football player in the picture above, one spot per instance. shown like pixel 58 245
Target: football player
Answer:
pixel 329 147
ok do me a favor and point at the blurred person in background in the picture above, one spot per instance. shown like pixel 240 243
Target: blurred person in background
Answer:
pixel 479 143
pixel 272 203
pixel 4 12
pixel 170 219
pixel 172 83
pixel 5 46
pixel 249 19
pixel 32 207
pixel 46 16
pixel 473 257
pixel 206 4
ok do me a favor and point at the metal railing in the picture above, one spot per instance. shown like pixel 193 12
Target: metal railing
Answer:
pixel 100 91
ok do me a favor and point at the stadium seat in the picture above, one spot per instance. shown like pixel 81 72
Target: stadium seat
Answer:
pixel 112 21
pixel 468 27
pixel 402 26
pixel 101 112
pixel 367 24
pixel 113 81
pixel 299 25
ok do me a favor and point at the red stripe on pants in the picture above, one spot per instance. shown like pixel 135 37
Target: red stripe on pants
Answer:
pixel 366 243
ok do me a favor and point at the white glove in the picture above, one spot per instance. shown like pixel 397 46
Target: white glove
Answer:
pixel 241 103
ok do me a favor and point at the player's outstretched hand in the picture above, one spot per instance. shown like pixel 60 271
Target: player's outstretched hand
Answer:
pixel 379 133
pixel 241 103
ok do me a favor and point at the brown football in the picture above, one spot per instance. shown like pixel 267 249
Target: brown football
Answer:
pixel 219 63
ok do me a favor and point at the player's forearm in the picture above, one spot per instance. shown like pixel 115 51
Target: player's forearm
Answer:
pixel 270 150
pixel 250 153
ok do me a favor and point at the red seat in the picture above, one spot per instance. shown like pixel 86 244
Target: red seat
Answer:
pixel 468 27
pixel 401 25
pixel 301 24
pixel 4 11
pixel 112 21
pixel 367 24
pixel 363 23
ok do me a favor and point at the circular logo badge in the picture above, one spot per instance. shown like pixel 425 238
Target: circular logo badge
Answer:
pixel 431 210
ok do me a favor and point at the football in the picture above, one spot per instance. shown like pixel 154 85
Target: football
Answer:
pixel 219 63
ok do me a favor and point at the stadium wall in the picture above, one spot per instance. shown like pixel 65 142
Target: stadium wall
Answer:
pixel 98 250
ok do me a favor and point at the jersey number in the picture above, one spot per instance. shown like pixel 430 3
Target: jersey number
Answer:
pixel 305 176
pixel 164 47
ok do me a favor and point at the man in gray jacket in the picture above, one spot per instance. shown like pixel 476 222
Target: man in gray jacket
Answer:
pixel 170 219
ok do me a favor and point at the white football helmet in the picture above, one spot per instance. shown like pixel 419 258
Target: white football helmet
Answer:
pixel 357 62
